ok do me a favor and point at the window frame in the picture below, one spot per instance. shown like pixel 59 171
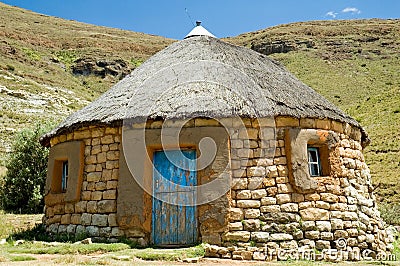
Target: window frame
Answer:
pixel 311 163
pixel 64 176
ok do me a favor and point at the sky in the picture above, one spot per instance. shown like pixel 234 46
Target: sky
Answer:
pixel 175 18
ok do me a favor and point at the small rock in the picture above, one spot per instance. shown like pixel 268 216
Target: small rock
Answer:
pixel 3 241
pixel 191 260
pixel 19 242
pixel 87 241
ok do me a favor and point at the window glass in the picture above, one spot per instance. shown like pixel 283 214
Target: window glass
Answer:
pixel 314 162
pixel 64 176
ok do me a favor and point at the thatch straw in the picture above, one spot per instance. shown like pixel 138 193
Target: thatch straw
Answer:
pixel 204 76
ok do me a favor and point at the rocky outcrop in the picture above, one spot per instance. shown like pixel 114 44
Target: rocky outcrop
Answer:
pixel 101 68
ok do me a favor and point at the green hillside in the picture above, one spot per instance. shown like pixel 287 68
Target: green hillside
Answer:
pixel 50 67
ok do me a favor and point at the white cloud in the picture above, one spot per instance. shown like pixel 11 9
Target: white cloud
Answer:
pixel 352 10
pixel 331 14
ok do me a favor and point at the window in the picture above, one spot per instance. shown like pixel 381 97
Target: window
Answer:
pixel 314 162
pixel 64 176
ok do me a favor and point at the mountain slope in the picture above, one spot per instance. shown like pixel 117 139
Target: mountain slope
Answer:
pixel 356 65
pixel 50 67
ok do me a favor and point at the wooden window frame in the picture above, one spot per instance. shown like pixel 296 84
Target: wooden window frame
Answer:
pixel 64 176
pixel 312 163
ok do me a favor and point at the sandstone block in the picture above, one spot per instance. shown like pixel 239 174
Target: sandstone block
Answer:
pixel 258 193
pixel 100 186
pixel 283 198
pixel 92 159
pixel 272 171
pixel 248 203
pixel 105 231
pixel 90 168
pixel 280 161
pixel 92 207
pixel 112 184
pixel 284 188
pixel 269 181
pixel 251 213
pixel 311 234
pixel 296 197
pixel 96 195
pixel 272 191
pixel 116 232
pixel 323 225
pixel 247 255
pixel 290 207
pixel 82 134
pixel 86 219
pixel 268 201
pixel 236 214
pixel 314 214
pixel 92 230
pixel 100 219
pixel 110 194
pixel 280 237
pixel 106 206
pixel 312 197
pixel 256 171
pixel 340 234
pixel 66 219
pixel 322 244
pixel 243 194
pixel 237 236
pixel 260 256
pixel 322 204
pixel 101 157
pixel 236 226
pixel 86 195
pixel 286 121
pixel 329 197
pixel 326 235
pixel 251 225
pixel 108 139
pixel 270 208
pixel 80 206
pixel 93 177
pixel 112 219
pixel 75 219
pixel 69 208
pixel 113 155
pixel 112 164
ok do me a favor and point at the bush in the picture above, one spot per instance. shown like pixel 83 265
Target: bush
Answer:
pixel 390 213
pixel 22 188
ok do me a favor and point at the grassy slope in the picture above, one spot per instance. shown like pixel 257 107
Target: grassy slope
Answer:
pixel 356 65
pixel 36 54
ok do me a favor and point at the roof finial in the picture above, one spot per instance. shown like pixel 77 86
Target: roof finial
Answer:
pixel 199 31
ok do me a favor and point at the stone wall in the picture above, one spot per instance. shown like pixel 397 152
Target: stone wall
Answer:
pixel 94 214
pixel 269 209
pixel 270 213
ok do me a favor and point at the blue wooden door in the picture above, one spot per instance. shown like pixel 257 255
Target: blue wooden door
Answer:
pixel 174 212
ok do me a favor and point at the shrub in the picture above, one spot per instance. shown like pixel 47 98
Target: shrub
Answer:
pixel 22 187
pixel 390 213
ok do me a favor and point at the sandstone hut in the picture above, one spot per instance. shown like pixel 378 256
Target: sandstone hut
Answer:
pixel 211 142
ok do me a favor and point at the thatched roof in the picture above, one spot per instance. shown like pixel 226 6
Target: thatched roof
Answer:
pixel 202 76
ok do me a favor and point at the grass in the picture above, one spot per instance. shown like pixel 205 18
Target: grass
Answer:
pixel 64 248
pixel 390 213
pixel 168 254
